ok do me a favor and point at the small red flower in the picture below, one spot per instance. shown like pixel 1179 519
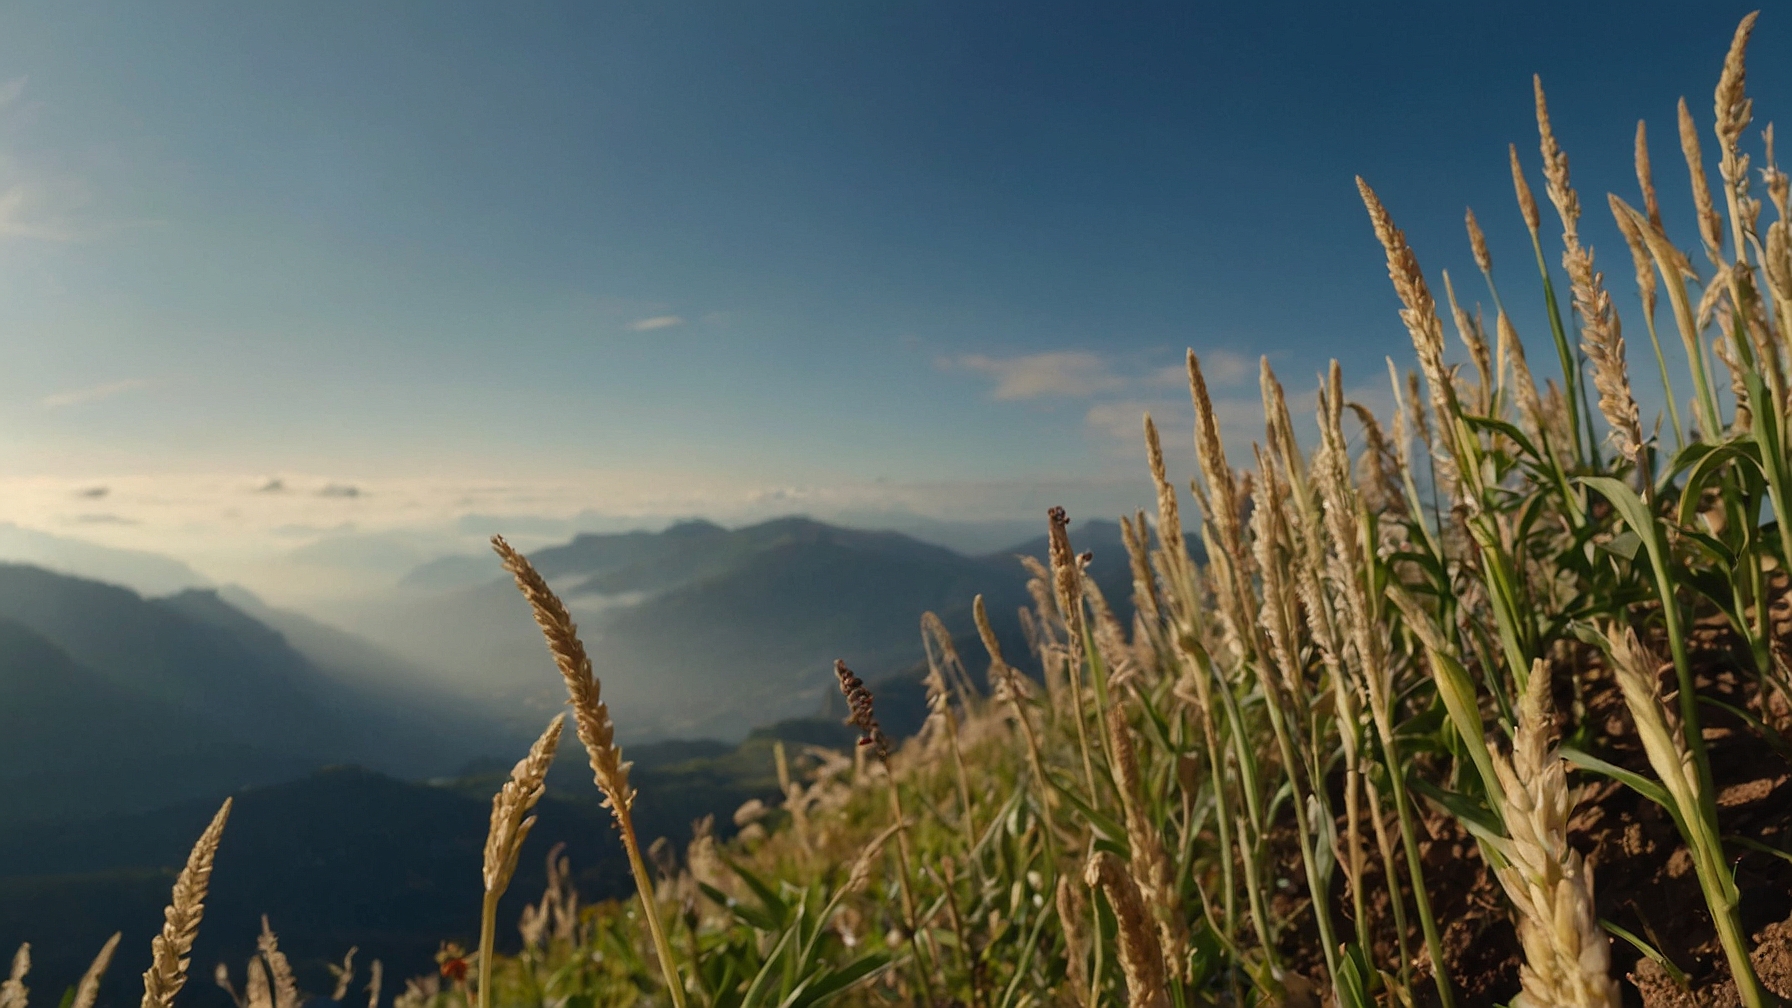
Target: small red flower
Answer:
pixel 455 969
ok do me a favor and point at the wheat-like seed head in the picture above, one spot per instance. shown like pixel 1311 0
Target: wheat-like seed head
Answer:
pixel 344 974
pixel 376 977
pixel 1645 175
pixel 1734 109
pixel 1567 954
pixel 1067 578
pixel 511 821
pixel 862 867
pixel 1477 243
pixel 1071 908
pixel 1210 454
pixel 255 988
pixel 1141 957
pixel 1555 166
pixel 1636 670
pixel 13 992
pixel 584 691
pixel 1171 545
pixel 1530 407
pixel 88 990
pixel 1639 255
pixel 1711 226
pixel 1603 340
pixel 1138 553
pixel 1419 314
pixel 1527 203
pixel 286 987
pixel 1149 864
pixel 1476 343
pixel 169 950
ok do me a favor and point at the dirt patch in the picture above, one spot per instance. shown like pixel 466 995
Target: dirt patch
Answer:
pixel 1643 874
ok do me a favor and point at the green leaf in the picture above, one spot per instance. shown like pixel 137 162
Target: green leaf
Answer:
pixel 1667 965
pixel 1104 824
pixel 752 917
pixel 775 906
pixel 837 981
pixel 756 991
pixel 1636 782
pixel 1475 816
pixel 1624 544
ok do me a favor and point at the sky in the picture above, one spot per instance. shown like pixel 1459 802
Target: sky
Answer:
pixel 272 275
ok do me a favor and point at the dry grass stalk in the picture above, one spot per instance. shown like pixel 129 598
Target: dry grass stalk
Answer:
pixel 1477 243
pixel 286 987
pixel 863 716
pixel 1174 564
pixel 510 826
pixel 1010 686
pixel 584 691
pixel 1639 256
pixel 1734 112
pixel 1141 957
pixel 510 819
pixel 1472 338
pixel 1072 910
pixel 1527 203
pixel 1232 560
pixel 344 974
pixel 256 988
pixel 1144 584
pixel 1149 862
pixel 1602 337
pixel 1711 226
pixel 1067 577
pixel 88 990
pixel 1419 313
pixel 1567 954
pixel 171 949
pixel 1636 670
pixel 13 992
pixel 939 704
pixel 1603 341
pixel 1645 175
pixel 375 979
pixel 597 732
pixel 1530 406
pixel 1555 166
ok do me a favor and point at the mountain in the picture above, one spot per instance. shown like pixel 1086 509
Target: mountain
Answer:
pixel 117 702
pixel 703 631
pixel 75 743
pixel 346 857
pixel 148 573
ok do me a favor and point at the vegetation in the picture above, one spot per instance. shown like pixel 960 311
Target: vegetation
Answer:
pixel 1367 753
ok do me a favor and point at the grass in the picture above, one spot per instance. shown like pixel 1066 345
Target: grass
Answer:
pixel 1476 624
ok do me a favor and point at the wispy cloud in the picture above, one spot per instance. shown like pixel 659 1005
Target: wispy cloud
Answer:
pixel 1064 373
pixel 1221 367
pixel 656 322
pixel 93 393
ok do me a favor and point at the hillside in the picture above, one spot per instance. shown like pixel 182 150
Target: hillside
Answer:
pixel 115 702
pixel 346 857
pixel 701 631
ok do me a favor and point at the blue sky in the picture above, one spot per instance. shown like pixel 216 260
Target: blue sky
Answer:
pixel 667 258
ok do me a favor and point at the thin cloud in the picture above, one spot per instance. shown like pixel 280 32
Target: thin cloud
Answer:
pixel 93 393
pixel 656 322
pixel 1220 367
pixel 1064 373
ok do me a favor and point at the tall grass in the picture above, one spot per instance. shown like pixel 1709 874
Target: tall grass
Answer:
pixel 1230 798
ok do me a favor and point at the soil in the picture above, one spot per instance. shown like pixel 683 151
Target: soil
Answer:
pixel 1643 877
